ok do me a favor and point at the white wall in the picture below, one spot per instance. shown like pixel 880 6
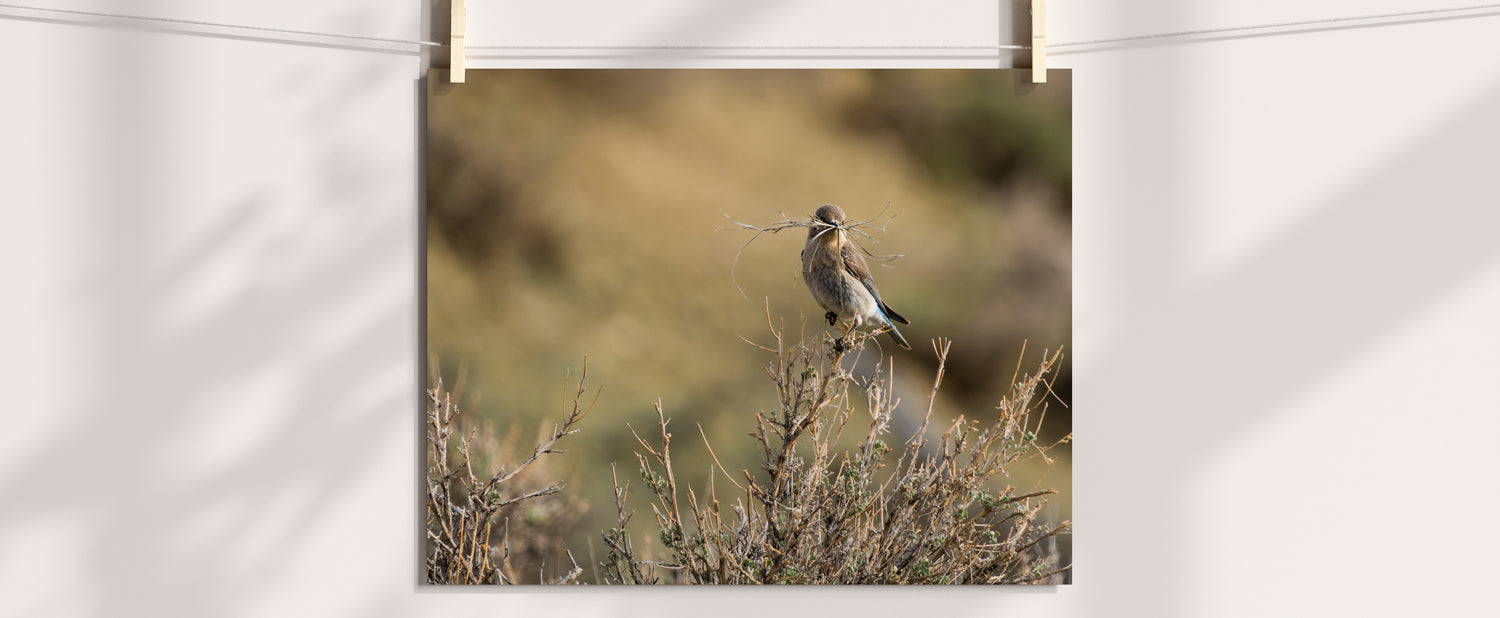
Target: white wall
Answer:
pixel 1287 290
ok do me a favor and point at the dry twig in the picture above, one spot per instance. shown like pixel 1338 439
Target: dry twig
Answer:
pixel 856 229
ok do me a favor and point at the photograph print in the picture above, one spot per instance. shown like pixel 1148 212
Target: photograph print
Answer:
pixel 747 327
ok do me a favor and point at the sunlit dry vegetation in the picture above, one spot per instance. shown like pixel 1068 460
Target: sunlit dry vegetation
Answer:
pixel 474 534
pixel 817 513
pixel 870 507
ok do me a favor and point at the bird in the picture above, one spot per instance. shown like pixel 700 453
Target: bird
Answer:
pixel 840 280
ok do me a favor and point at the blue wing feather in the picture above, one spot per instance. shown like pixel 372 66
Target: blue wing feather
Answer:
pixel 855 264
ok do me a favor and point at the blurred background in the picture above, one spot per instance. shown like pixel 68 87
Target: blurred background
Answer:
pixel 582 213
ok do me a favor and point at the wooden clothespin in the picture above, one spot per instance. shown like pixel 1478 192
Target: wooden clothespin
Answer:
pixel 456 49
pixel 1038 41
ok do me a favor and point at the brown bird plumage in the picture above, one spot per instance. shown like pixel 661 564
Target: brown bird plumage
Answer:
pixel 839 279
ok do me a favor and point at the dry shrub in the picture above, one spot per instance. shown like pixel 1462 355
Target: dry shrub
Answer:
pixel 473 535
pixel 821 514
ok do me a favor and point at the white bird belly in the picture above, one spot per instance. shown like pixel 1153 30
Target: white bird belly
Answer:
pixel 862 303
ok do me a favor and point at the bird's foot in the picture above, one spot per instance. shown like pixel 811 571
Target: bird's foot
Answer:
pixel 839 347
pixel 833 318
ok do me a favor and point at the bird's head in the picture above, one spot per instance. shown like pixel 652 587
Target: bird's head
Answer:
pixel 830 214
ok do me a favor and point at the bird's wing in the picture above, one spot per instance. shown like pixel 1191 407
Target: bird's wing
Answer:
pixel 855 264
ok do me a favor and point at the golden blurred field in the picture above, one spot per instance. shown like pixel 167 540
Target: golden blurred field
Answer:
pixel 578 213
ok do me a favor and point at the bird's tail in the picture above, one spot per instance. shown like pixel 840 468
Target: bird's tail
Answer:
pixel 896 334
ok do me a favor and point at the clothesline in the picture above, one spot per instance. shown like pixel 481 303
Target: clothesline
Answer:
pixel 1181 34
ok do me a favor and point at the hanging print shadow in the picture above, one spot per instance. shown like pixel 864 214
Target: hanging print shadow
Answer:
pixel 748 327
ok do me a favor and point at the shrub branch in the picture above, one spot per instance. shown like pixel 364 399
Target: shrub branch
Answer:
pixel 821 514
